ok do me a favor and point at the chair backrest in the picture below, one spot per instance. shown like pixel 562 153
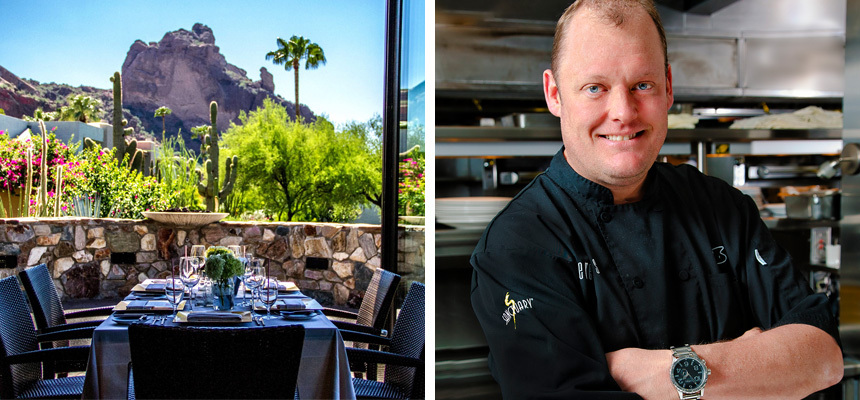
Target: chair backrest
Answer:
pixel 215 363
pixel 47 308
pixel 408 339
pixel 17 335
pixel 377 299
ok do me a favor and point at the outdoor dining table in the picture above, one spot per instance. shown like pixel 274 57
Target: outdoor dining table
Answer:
pixel 323 371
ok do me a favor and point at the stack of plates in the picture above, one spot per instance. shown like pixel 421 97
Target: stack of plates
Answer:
pixel 777 210
pixel 469 212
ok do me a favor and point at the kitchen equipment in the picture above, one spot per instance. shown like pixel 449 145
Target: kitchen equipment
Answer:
pixel 469 212
pixel 813 205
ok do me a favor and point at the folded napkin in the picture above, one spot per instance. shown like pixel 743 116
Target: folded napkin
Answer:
pixel 149 286
pixel 149 305
pixel 290 305
pixel 288 287
pixel 213 316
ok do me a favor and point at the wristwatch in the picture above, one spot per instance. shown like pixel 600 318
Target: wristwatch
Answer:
pixel 689 373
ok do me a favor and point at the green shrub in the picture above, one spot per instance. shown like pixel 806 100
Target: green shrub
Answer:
pixel 124 193
pixel 175 170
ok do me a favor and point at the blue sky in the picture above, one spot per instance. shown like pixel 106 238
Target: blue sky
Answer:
pixel 84 42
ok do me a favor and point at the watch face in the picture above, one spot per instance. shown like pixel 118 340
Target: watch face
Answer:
pixel 689 374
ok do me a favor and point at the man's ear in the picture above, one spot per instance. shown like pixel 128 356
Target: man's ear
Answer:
pixel 551 94
pixel 669 92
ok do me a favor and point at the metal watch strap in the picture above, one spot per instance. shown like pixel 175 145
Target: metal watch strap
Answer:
pixel 686 351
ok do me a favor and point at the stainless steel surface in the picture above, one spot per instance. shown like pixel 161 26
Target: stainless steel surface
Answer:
pixel 849 278
pixel 701 154
pixel 812 206
pixel 496 134
pixel 776 49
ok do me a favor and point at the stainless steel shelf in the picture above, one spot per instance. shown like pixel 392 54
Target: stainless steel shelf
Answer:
pixel 505 134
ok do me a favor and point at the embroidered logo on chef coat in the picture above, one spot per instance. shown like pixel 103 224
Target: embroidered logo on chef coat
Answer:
pixel 513 307
pixel 720 254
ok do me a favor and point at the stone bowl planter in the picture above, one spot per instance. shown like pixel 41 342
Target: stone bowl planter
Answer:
pixel 185 218
pixel 412 220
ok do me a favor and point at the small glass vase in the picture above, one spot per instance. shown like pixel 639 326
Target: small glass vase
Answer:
pixel 223 295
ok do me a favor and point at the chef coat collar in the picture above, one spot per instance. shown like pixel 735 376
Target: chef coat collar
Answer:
pixel 576 185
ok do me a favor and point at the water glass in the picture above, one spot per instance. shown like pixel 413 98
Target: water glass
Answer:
pixel 198 252
pixel 269 295
pixel 174 289
pixel 189 276
pixel 254 276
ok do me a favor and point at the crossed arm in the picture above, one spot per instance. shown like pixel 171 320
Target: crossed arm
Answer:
pixel 789 361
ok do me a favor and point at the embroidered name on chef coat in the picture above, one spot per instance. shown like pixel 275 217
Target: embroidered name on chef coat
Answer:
pixel 588 269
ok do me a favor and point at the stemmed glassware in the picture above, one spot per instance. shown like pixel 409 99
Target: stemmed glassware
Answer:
pixel 189 276
pixel 254 275
pixel 198 253
pixel 269 295
pixel 174 289
pixel 239 253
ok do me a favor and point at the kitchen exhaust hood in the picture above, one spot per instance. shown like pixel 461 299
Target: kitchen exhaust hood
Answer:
pixel 720 50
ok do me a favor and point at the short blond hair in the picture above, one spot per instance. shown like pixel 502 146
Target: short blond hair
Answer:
pixel 614 12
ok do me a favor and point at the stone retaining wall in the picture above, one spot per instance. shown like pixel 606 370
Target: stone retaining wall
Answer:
pixel 105 258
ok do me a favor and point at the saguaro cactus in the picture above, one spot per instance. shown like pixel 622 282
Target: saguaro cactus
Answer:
pixel 135 156
pixel 209 149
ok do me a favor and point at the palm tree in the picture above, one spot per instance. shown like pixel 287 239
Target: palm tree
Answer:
pixel 81 108
pixel 291 53
pixel 163 112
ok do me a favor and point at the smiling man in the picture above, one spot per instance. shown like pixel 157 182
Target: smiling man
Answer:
pixel 613 276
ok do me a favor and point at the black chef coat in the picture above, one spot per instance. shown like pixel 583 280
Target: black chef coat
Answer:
pixel 562 276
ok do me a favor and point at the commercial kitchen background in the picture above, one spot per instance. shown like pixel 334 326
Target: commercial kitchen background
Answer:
pixel 731 59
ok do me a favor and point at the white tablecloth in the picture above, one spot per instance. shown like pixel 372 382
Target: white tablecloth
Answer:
pixel 323 374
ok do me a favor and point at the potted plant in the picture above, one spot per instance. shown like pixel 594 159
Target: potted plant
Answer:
pixel 222 268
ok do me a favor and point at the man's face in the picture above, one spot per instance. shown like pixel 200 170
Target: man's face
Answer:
pixel 612 94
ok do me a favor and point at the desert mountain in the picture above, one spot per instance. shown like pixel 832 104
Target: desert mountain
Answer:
pixel 184 71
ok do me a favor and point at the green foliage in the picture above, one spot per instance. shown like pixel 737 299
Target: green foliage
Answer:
pixel 199 130
pixel 290 53
pixel 126 192
pixel 221 265
pixel 213 192
pixel 175 169
pixel 40 115
pixel 410 192
pixel 81 108
pixel 300 172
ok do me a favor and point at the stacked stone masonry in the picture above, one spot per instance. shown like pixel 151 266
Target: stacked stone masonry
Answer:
pixel 78 253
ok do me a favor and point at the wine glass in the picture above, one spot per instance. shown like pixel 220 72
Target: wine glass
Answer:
pixel 198 252
pixel 269 295
pixel 189 276
pixel 239 253
pixel 254 275
pixel 174 290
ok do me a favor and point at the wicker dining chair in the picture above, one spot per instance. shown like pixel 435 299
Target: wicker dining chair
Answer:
pixel 404 360
pixel 372 314
pixel 180 362
pixel 49 314
pixel 374 307
pixel 47 309
pixel 20 357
